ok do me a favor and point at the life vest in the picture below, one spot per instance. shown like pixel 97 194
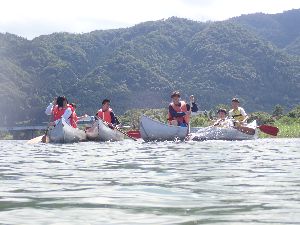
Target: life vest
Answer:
pixel 179 108
pixel 59 112
pixel 236 114
pixel 105 116
pixel 74 120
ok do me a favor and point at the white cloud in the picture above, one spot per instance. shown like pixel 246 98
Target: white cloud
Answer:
pixel 31 18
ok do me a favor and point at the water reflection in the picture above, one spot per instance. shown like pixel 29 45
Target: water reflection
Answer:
pixel 151 183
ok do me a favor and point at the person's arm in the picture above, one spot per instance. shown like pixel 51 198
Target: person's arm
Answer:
pixel 217 123
pixel 244 114
pixel 66 115
pixel 194 107
pixel 230 114
pixel 49 109
pixel 174 113
pixel 114 119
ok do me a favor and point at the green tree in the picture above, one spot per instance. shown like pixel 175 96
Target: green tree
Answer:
pixel 278 111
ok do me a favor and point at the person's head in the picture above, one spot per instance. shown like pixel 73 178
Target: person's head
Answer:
pixel 60 101
pixel 235 103
pixel 175 97
pixel 105 104
pixel 73 105
pixel 222 113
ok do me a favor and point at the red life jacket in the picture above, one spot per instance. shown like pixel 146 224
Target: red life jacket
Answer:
pixel 180 108
pixel 58 112
pixel 105 116
pixel 74 120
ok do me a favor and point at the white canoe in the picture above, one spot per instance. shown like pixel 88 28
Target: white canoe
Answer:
pixel 64 133
pixel 152 130
pixel 101 132
pixel 222 133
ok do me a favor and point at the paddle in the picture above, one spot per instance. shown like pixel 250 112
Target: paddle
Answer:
pixel 124 133
pixel 43 138
pixel 134 133
pixel 192 99
pixel 115 127
pixel 35 140
pixel 267 129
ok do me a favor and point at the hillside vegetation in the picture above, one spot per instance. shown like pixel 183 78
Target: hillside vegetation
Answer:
pixel 254 57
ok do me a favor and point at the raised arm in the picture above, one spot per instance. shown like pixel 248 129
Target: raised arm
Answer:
pixel 49 109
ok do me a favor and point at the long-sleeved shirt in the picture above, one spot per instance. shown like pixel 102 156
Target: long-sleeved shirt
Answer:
pixel 180 114
pixel 67 114
pixel 114 119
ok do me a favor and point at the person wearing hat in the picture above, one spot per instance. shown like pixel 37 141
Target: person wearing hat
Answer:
pixel 222 120
pixel 180 111
pixel 238 113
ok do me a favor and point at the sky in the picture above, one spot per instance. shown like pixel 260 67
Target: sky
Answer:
pixel 31 18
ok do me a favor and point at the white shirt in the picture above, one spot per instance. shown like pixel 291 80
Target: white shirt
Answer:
pixel 67 114
pixel 241 110
pixel 224 123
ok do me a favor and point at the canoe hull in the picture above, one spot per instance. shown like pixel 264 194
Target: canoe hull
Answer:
pixel 220 133
pixel 152 130
pixel 64 133
pixel 101 132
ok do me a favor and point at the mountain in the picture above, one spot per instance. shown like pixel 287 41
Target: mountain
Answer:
pixel 138 67
pixel 281 29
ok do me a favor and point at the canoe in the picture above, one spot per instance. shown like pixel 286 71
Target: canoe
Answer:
pixel 101 132
pixel 224 133
pixel 152 130
pixel 64 133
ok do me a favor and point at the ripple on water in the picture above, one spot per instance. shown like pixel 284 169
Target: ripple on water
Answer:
pixel 151 183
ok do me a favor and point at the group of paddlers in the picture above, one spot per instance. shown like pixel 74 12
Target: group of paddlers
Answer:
pixel 61 108
pixel 179 112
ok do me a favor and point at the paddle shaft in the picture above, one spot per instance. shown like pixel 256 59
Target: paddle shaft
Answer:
pixel 125 133
pixel 44 138
pixel 117 129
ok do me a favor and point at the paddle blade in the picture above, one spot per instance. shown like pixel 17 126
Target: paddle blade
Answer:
pixel 134 133
pixel 45 139
pixel 35 140
pixel 269 129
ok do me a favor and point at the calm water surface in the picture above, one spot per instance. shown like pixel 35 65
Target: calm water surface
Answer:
pixel 213 182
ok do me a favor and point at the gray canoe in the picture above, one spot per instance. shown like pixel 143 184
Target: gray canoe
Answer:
pixel 101 132
pixel 152 130
pixel 64 133
pixel 223 133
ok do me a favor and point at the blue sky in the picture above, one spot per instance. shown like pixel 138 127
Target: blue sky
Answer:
pixel 32 18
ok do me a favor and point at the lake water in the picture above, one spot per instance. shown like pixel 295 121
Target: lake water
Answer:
pixel 213 182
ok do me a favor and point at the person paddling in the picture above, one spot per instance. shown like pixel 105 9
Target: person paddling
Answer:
pixel 180 111
pixel 75 117
pixel 222 120
pixel 60 108
pixel 107 114
pixel 237 113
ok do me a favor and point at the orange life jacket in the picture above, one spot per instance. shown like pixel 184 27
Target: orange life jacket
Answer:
pixel 105 116
pixel 58 112
pixel 74 120
pixel 179 108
